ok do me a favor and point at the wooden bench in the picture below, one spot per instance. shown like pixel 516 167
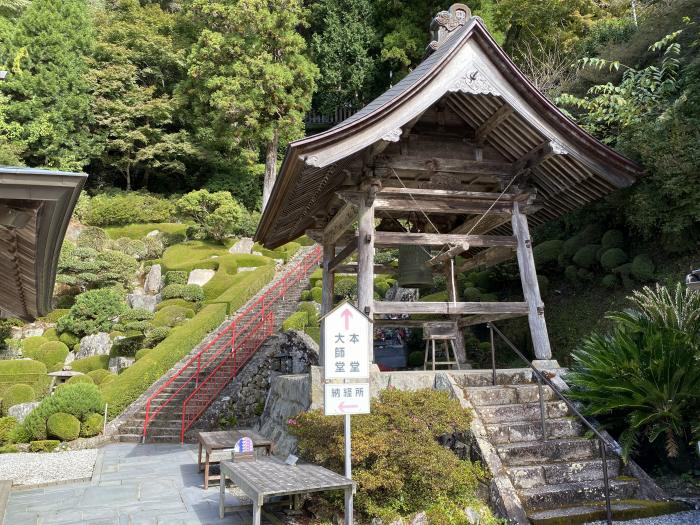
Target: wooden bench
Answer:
pixel 224 440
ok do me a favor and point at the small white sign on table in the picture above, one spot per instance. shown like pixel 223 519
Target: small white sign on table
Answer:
pixel 345 399
pixel 346 340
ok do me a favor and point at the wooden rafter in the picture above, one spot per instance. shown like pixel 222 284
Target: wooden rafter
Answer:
pixel 491 123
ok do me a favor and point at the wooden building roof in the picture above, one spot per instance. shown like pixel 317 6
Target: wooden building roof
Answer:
pixel 35 208
pixel 466 119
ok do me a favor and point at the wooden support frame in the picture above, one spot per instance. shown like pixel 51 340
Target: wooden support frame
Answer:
pixel 490 257
pixel 386 239
pixel 446 308
pixel 346 252
pixel 365 263
pixel 340 222
pixel 474 320
pixel 327 287
pixel 379 269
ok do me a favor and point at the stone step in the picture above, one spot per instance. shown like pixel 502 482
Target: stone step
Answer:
pixel 539 452
pixel 527 477
pixel 568 494
pixel 138 438
pixel 508 394
pixel 521 412
pixel 595 511
pixel 519 431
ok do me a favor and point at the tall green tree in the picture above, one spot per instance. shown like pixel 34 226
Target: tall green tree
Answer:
pixel 249 74
pixel 48 90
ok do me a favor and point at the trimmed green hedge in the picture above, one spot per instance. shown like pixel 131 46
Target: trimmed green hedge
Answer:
pixel 88 364
pixel 172 316
pixel 81 379
pixel 131 383
pixel 226 275
pixel 43 445
pixel 17 394
pixel 7 425
pixel 175 277
pixel 32 344
pixel 139 231
pixel 52 354
pixel 25 371
pixel 246 286
pixel 297 321
pixel 65 427
pixel 92 426
pixel 98 376
pixel 177 302
pixel 189 255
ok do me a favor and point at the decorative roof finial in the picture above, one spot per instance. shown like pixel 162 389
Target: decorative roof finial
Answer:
pixel 445 23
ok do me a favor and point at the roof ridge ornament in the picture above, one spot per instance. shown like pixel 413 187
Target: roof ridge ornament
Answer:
pixel 445 23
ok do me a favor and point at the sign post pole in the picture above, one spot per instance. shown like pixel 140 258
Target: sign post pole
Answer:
pixel 348 471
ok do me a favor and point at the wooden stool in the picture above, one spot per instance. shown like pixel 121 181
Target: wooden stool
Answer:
pixel 445 331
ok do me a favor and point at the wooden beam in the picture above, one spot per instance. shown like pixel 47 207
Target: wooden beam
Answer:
pixel 328 285
pixel 385 239
pixel 379 269
pixel 445 165
pixel 532 159
pixel 365 259
pixel 340 222
pixel 485 318
pixel 490 257
pixel 449 254
pixel 491 123
pixel 400 323
pixel 447 308
pixel 444 205
pixel 344 254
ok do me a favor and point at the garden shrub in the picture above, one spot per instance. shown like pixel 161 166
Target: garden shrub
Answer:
pixel 175 277
pixel 81 379
pixel 32 344
pixel 88 364
pixel 9 449
pixel 23 371
pixel 571 246
pixel 126 346
pixel 43 445
pixel 98 376
pixel 612 258
pixel 154 247
pixel 488 297
pixel 94 311
pixel 305 295
pixel 317 294
pixel 69 339
pixel 172 316
pixel 613 239
pixel 591 234
pixel 381 287
pixel 131 383
pixel 135 314
pixel 140 230
pixel 65 427
pixel 394 443
pixel 472 294
pixel 586 256
pixel 141 353
pixel 92 426
pixel 177 302
pixel 132 247
pixel 16 394
pixel 55 315
pixel 218 214
pixel 127 208
pixel 310 310
pixel 484 280
pixel 345 289
pixel 89 268
pixel 642 268
pixel 7 425
pixel 78 400
pixel 156 335
pixel 416 359
pixel 188 292
pixel 93 238
pixel 250 283
pixel 51 334
pixel 547 252
pixel 610 281
pixel 297 321
pixel 52 354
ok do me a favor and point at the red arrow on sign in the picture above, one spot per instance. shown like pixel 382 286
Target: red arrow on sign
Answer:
pixel 346 315
pixel 343 407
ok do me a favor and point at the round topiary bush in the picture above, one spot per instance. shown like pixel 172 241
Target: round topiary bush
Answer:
pixel 571 273
pixel 92 426
pixel 155 335
pixel 613 239
pixel 133 247
pixel 69 339
pixel 16 394
pixel 346 289
pixel 317 294
pixel 586 256
pixel 489 297
pixel 136 314
pixel 175 277
pixel 172 316
pixel 416 359
pixel 93 237
pixel 154 247
pixel 571 246
pixel 305 295
pixel 32 344
pixel 51 334
pixel 612 258
pixel 7 425
pixel 297 321
pixel 52 354
pixel 65 427
pixel 80 379
pixel 610 281
pixel 642 268
pixel 43 445
pixel 471 294
pixel 547 252
pixel 176 302
pixel 98 376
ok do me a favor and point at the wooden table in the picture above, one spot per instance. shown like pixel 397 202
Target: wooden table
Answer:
pixel 270 476
pixel 224 440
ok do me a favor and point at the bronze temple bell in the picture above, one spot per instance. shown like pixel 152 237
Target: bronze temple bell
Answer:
pixel 413 272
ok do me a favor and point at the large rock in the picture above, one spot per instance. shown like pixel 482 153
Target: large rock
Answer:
pixel 116 364
pixel 200 276
pixel 69 359
pixel 22 410
pixel 245 245
pixel 154 280
pixel 153 233
pixel 147 302
pixel 98 344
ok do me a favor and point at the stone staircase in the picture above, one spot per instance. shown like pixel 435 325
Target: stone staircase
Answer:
pixel 559 479
pixel 166 426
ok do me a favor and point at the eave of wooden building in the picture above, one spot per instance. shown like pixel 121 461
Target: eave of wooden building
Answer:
pixel 467 115
pixel 35 209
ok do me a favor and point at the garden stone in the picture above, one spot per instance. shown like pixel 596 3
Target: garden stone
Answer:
pixel 154 279
pixel 116 364
pixel 473 516
pixel 69 359
pixel 147 302
pixel 245 245
pixel 98 344
pixel 153 233
pixel 200 276
pixel 22 410
pixel 247 269
pixel 419 519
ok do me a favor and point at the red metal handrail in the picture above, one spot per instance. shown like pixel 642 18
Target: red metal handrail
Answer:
pixel 241 346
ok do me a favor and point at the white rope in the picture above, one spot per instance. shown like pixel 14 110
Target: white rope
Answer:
pixel 492 204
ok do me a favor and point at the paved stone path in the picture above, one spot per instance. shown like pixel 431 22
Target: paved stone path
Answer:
pixel 131 485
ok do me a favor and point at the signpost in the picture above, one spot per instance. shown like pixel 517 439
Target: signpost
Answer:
pixel 347 340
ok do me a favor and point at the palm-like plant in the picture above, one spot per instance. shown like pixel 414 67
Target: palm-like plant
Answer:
pixel 645 374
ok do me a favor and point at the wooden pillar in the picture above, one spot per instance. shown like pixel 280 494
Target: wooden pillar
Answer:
pixel 365 262
pixel 453 296
pixel 531 290
pixel 328 286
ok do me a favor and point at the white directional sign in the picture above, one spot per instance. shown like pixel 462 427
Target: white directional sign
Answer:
pixel 346 338
pixel 346 398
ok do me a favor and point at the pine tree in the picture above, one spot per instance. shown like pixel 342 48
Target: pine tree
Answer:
pixel 48 88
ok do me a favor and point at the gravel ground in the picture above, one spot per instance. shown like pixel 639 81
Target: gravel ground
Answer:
pixel 691 517
pixel 25 468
